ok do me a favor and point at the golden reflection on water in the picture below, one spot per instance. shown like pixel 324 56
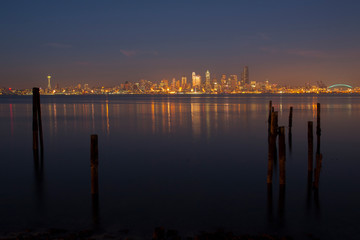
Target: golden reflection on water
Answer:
pixel 200 119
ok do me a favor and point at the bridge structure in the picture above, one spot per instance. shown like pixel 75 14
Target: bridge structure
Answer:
pixel 340 85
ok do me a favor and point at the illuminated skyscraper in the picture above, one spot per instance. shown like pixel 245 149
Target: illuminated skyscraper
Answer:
pixel 196 81
pixel 245 76
pixel 207 81
pixel 49 84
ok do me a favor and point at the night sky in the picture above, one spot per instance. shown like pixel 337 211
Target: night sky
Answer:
pixel 105 43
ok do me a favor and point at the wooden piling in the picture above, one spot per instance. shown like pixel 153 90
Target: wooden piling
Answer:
pixel 40 125
pixel 274 123
pixel 94 164
pixel 282 157
pixel 318 127
pixel 271 157
pixel 310 146
pixel 35 126
pixel 269 118
pixel 290 117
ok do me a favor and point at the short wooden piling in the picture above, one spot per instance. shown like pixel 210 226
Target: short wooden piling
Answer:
pixel 94 164
pixel 282 157
pixel 274 123
pixel 310 146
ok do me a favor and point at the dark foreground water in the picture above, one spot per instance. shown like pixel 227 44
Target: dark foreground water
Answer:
pixel 187 163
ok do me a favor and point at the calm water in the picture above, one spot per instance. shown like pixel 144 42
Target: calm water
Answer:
pixel 186 163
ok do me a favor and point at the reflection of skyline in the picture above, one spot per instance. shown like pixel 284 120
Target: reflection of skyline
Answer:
pixel 166 117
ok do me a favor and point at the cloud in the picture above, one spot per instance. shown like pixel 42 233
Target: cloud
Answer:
pixel 131 53
pixel 58 45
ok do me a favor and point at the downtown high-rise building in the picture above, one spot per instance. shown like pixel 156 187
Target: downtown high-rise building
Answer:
pixel 183 81
pixel 49 83
pixel 207 81
pixel 245 76
pixel 196 81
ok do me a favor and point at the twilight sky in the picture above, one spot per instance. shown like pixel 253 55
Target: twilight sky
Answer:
pixel 105 43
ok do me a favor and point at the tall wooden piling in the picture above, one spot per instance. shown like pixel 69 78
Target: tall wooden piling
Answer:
pixel 274 123
pixel 282 157
pixel 310 146
pixel 290 118
pixel 40 126
pixel 269 118
pixel 35 126
pixel 94 164
pixel 271 157
pixel 318 129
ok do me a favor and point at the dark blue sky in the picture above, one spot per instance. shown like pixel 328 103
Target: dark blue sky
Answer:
pixel 110 42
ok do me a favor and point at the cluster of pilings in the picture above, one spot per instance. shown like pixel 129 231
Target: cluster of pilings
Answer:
pixel 274 132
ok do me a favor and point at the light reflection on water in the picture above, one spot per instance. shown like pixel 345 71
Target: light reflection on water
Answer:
pixel 190 163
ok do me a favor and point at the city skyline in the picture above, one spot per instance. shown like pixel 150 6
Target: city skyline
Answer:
pixel 112 42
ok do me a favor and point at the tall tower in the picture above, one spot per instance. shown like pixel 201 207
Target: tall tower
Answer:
pixel 49 84
pixel 245 75
pixel 207 81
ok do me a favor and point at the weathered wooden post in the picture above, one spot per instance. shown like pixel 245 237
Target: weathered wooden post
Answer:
pixel 269 119
pixel 35 126
pixel 318 129
pixel 282 157
pixel 274 123
pixel 310 146
pixel 290 118
pixel 94 164
pixel 40 126
pixel 271 157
